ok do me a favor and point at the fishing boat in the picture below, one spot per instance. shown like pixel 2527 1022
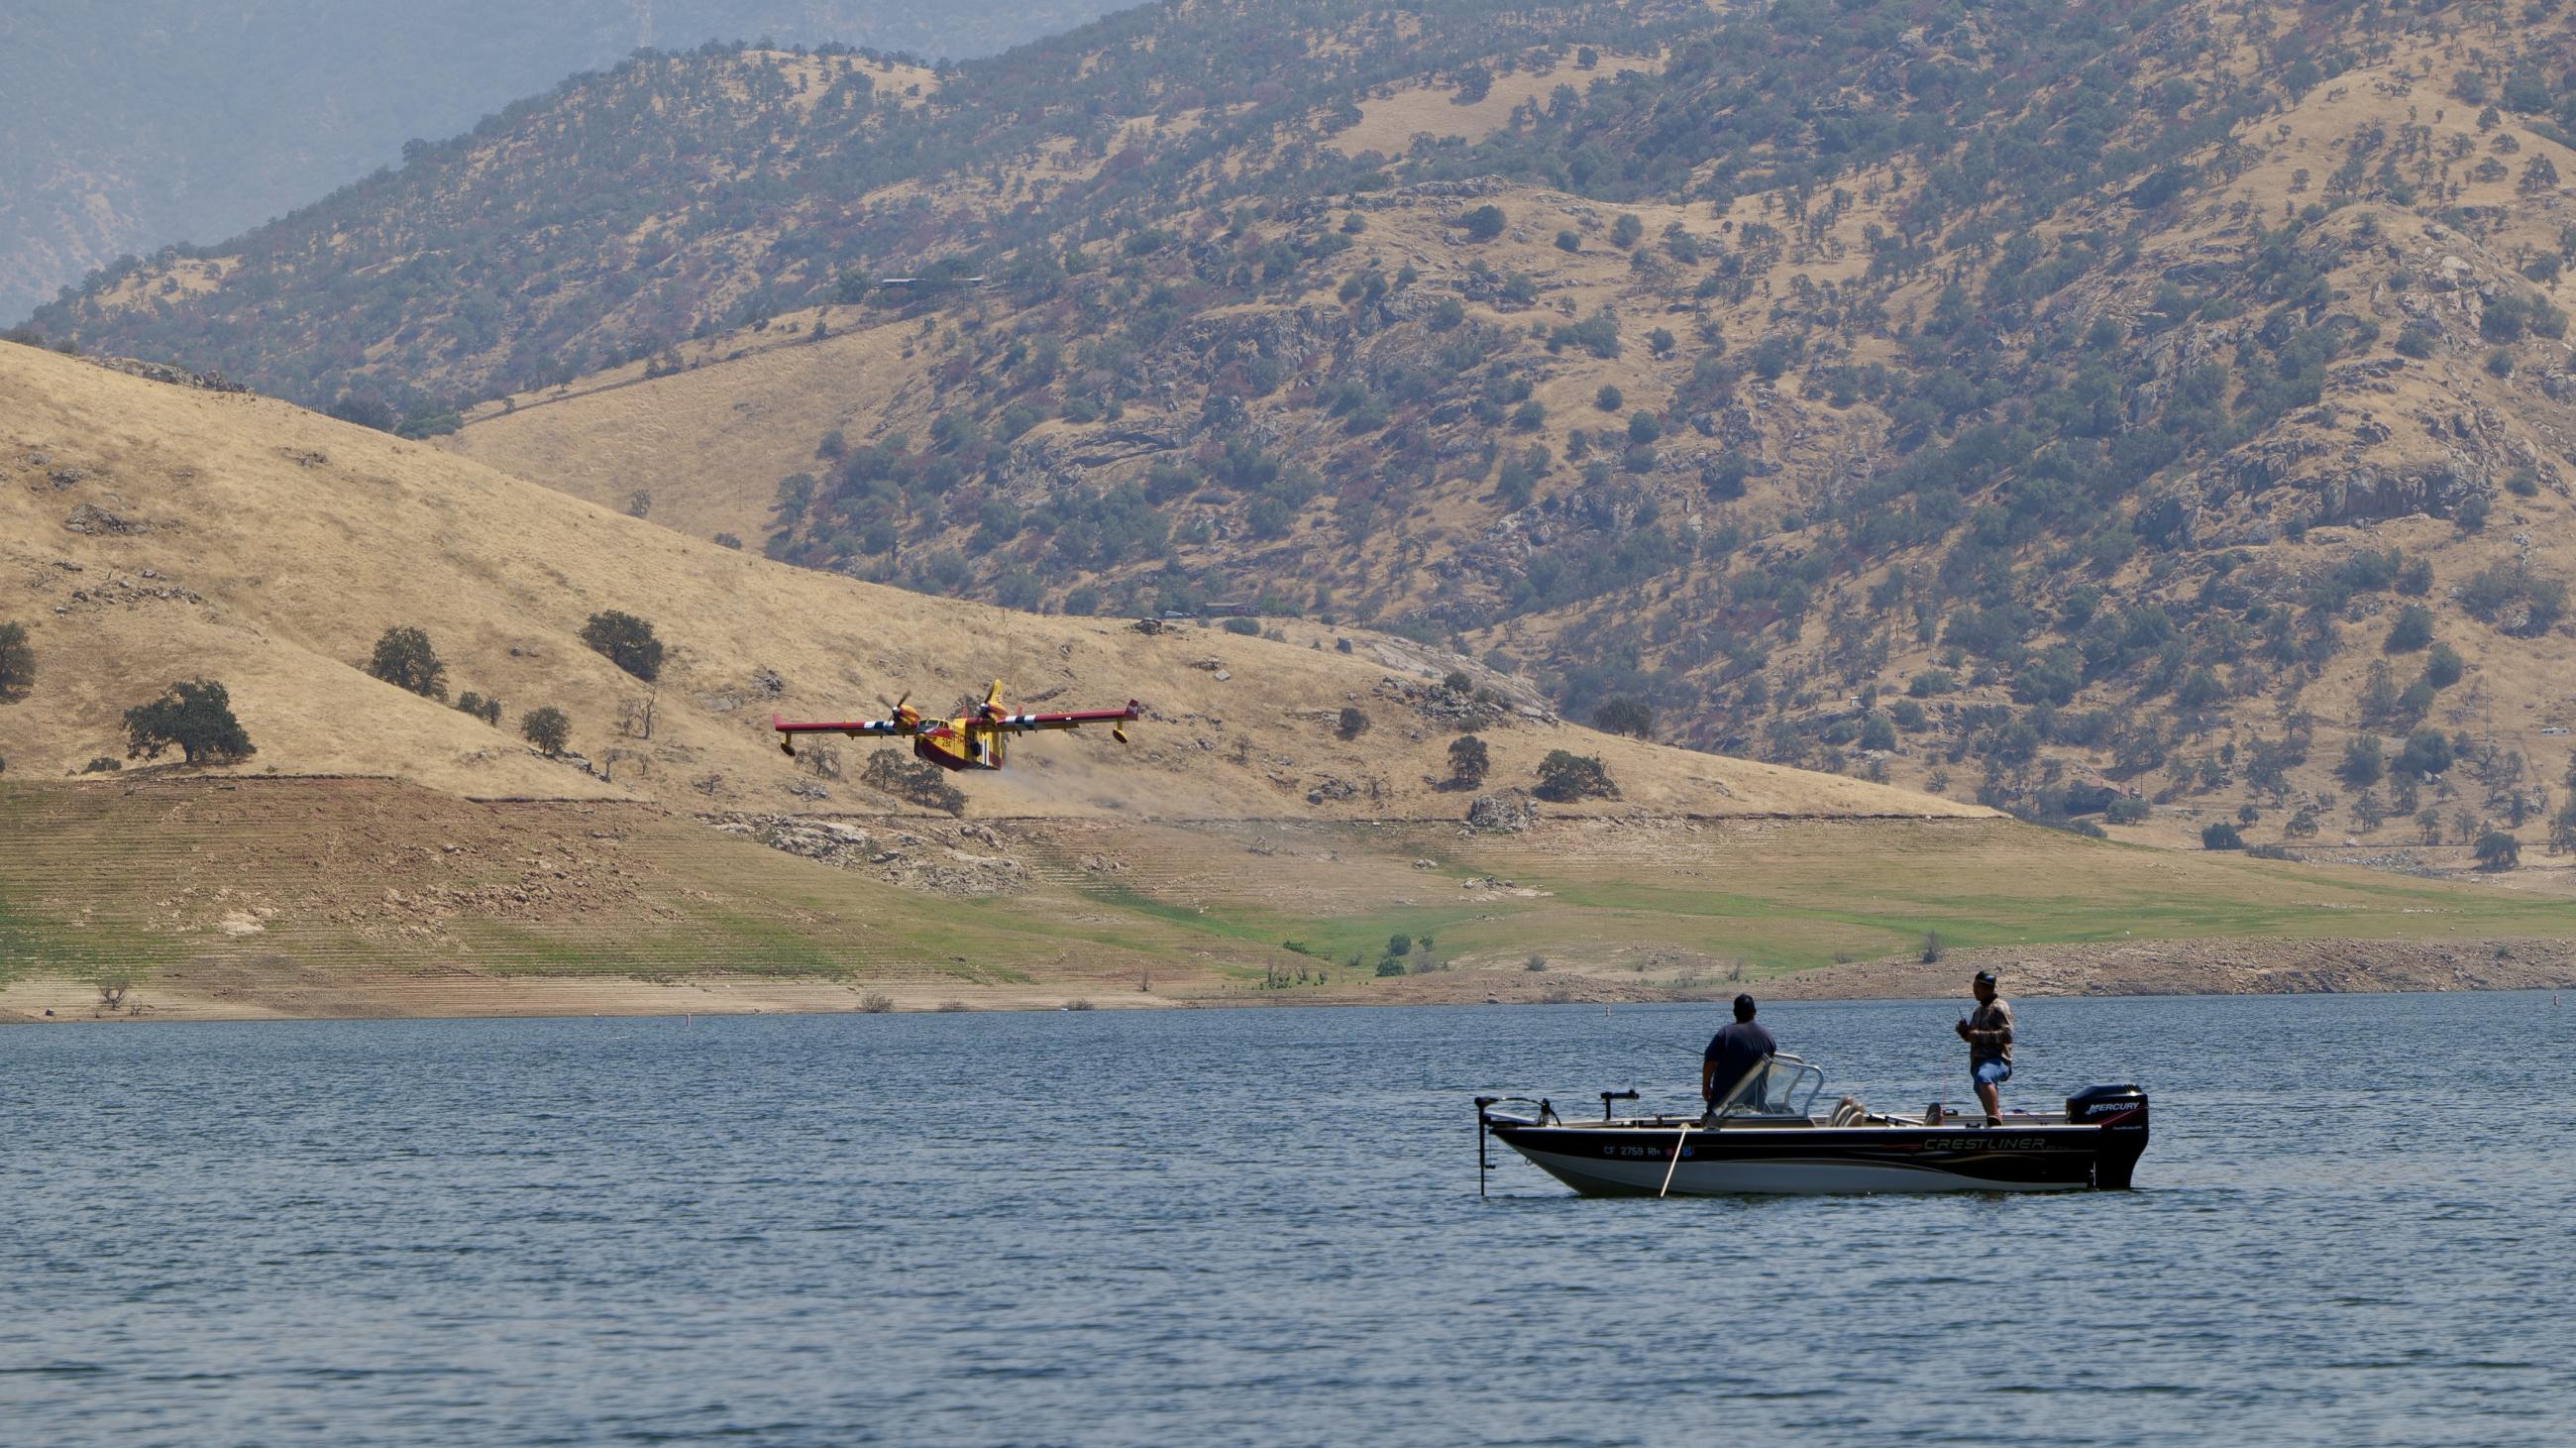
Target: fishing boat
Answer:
pixel 1763 1137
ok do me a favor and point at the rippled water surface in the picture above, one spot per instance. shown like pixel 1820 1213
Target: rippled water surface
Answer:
pixel 1260 1226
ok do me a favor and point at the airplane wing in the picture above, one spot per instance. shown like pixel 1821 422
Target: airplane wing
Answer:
pixel 853 728
pixel 1075 719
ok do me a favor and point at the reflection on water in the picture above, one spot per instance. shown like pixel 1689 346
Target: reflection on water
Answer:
pixel 1259 1226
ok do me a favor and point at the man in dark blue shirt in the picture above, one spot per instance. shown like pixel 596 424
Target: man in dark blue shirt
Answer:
pixel 1734 1050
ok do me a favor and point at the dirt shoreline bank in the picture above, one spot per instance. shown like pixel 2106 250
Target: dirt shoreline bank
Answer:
pixel 2271 967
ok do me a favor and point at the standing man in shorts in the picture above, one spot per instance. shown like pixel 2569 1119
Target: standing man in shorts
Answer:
pixel 1988 1030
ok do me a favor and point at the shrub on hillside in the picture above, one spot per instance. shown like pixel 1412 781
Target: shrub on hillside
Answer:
pixel 2221 837
pixel 1350 723
pixel 2412 630
pixel 626 641
pixel 196 717
pixel 917 780
pixel 1484 223
pixel 17 663
pixel 1564 776
pixel 546 727
pixel 2497 850
pixel 404 659
pixel 487 710
pixel 2363 764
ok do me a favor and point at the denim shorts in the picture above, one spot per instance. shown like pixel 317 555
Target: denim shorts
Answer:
pixel 1992 1073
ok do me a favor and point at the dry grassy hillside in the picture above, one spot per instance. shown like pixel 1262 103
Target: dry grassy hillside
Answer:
pixel 156 532
pixel 2353 270
pixel 1996 400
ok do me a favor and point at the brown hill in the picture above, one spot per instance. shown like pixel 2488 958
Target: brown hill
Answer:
pixel 2383 404
pixel 153 530
pixel 156 531
pixel 2114 390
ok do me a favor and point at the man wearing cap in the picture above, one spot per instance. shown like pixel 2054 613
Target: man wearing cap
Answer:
pixel 1734 1050
pixel 1988 1030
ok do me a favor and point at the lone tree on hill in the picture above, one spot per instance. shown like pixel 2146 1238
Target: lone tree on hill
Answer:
pixel 196 716
pixel 1564 776
pixel 626 641
pixel 2221 837
pixel 548 728
pixel 1468 761
pixel 17 663
pixel 923 783
pixel 1485 223
pixel 487 710
pixel 2497 850
pixel 1625 716
pixel 405 660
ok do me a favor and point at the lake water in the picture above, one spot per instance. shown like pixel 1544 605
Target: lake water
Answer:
pixel 1260 1226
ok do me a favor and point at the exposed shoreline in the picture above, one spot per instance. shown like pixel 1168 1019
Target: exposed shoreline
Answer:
pixel 2219 967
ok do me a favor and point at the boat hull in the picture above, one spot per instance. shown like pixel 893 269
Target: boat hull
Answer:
pixel 1625 1160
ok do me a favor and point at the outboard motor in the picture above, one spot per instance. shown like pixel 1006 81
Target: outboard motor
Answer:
pixel 2121 1113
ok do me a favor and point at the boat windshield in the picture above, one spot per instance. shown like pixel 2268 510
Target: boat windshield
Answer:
pixel 1782 1085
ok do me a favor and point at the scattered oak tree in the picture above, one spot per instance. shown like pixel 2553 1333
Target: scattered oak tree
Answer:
pixel 196 716
pixel 487 710
pixel 2499 851
pixel 626 641
pixel 1625 716
pixel 1469 760
pixel 2426 752
pixel 548 728
pixel 405 660
pixel 917 780
pixel 17 663
pixel 1564 776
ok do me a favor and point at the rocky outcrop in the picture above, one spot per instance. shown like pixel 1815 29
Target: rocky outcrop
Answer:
pixel 931 859
pixel 1504 812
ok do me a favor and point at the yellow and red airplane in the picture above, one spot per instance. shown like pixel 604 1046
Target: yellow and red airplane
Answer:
pixel 972 740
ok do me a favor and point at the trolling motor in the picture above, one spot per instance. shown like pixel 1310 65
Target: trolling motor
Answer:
pixel 1546 1113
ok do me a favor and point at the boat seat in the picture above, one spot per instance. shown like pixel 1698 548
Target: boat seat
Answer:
pixel 1849 1112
